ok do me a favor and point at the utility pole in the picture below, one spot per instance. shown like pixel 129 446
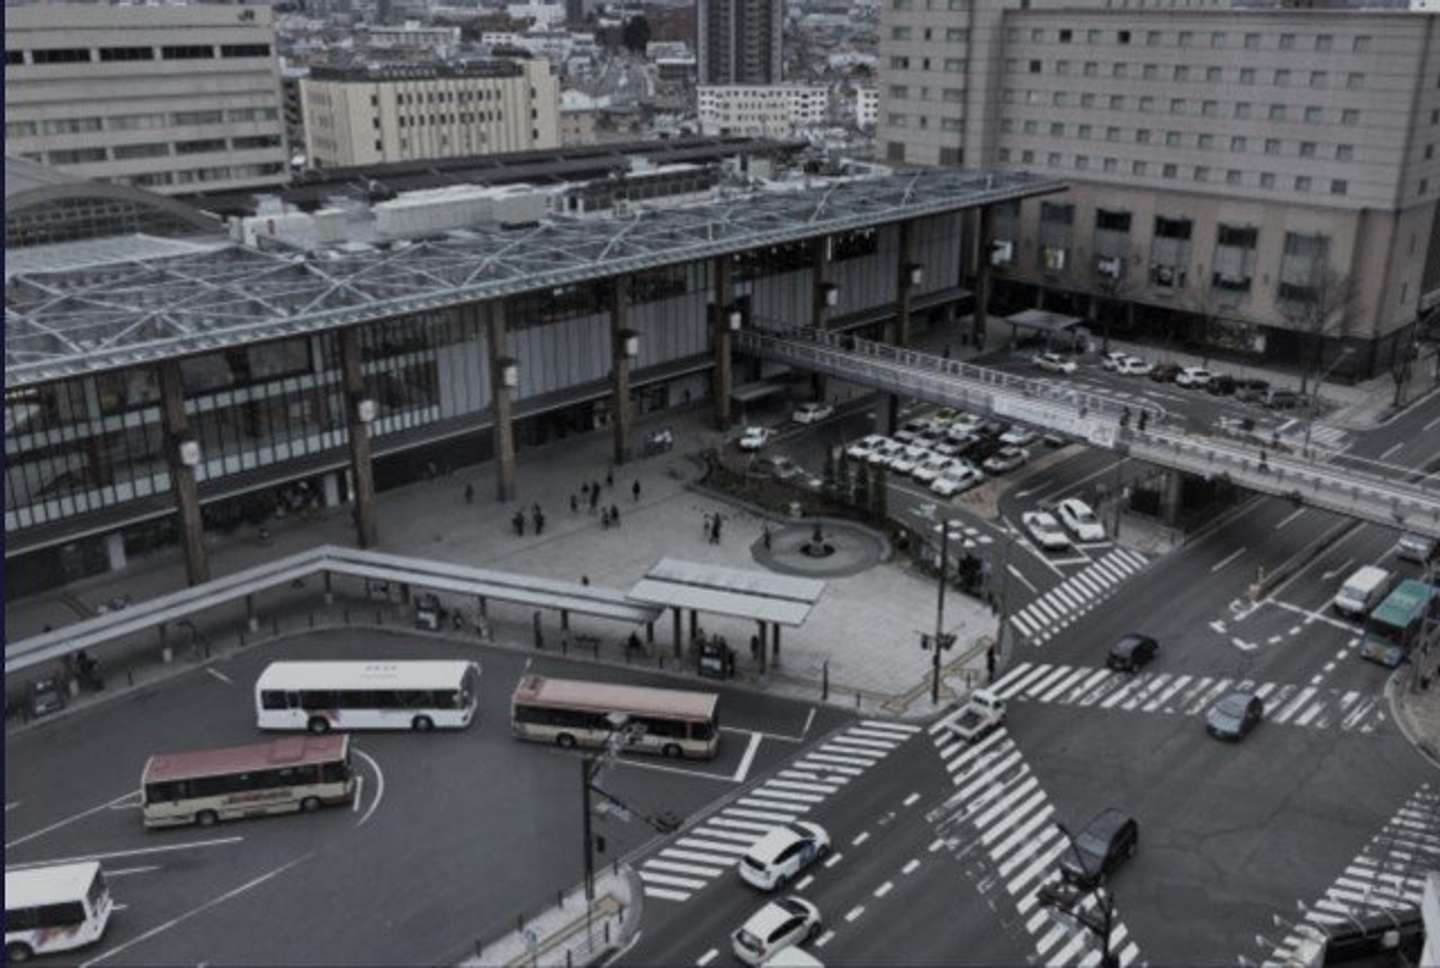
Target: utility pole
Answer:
pixel 942 641
pixel 1066 897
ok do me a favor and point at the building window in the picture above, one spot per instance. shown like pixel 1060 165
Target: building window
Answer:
pixel 1066 36
pixel 1213 75
pixel 1277 112
pixel 899 91
pixel 956 35
pixel 1272 146
pixel 1361 44
pixel 899 121
pixel 1082 162
pixel 1122 36
pixel 1354 82
pixel 1142 136
pixel 110 55
pixel 1177 105
pixel 1087 100
pixel 1111 164
pixel 1003 154
pixel 1307 149
pixel 1062 68
pixel 1117 102
pixel 188 52
pixel 1035 67
pixel 60 55
pixel 954 65
pixel 1282 78
pixel 1172 139
pixel 1237 143
pixel 1205 142
pixel 1091 69
pixel 1137 168
pixel 129 152
pixel 1233 176
pixel 1318 79
pixel 1267 180
pixel 1150 72
pixel 899 63
pixel 13 57
pixel 1112 134
pixel 77 156
pixel 1344 152
pixel 899 33
pixel 244 50
pixel 1037 36
pixel 1053 159
pixel 1217 39
pixel 1147 105
pixel 1083 132
pixel 1242 110
pixel 1168 171
pixel 186 118
pixel 1152 38
pixel 1027 157
pixel 199 146
pixel 1032 126
pixel 1062 98
pixel 1092 36
pixel 1302 183
pixel 1339 186
pixel 1287 41
pixel 1057 129
pixel 1119 70
pixel 250 142
pixel 1210 109
pixel 1202 174
pixel 1252 41
pixel 1182 73
pixel 1351 116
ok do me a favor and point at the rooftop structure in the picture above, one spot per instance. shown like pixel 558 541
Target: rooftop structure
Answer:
pixel 64 324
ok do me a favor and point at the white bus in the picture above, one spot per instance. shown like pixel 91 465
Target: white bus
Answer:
pixel 57 908
pixel 280 776
pixel 571 712
pixel 321 696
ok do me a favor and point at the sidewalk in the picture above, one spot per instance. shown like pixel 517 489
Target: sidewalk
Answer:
pixel 562 935
pixel 1417 713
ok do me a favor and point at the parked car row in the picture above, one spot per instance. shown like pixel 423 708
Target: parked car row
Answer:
pixel 948 451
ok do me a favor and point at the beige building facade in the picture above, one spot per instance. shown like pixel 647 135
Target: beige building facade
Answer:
pixel 175 99
pixel 1260 180
pixel 373 116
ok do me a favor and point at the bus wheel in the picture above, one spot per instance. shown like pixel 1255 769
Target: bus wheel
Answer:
pixel 310 804
pixel 673 751
pixel 207 818
pixel 318 724
pixel 565 741
pixel 422 724
pixel 15 952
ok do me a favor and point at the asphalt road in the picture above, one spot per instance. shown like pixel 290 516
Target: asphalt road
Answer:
pixel 454 834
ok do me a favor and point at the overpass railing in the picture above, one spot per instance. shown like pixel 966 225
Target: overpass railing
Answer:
pixel 1103 421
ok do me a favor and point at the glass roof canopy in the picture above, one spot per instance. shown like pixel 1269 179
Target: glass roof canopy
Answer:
pixel 60 324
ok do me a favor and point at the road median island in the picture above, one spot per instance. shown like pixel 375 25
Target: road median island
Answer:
pixel 1269 582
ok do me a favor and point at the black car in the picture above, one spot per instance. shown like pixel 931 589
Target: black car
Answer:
pixel 1222 386
pixel 1234 715
pixel 1251 391
pixel 1131 653
pixel 991 429
pixel 1164 372
pixel 982 450
pixel 1105 843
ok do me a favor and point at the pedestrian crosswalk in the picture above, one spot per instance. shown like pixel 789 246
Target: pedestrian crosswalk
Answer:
pixel 1323 437
pixel 1388 873
pixel 1188 695
pixel 699 855
pixel 1076 595
pixel 1001 810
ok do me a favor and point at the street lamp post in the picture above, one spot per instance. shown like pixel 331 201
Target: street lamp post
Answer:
pixel 1067 898
pixel 1345 352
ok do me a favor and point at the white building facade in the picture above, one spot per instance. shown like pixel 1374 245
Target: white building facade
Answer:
pixel 173 99
pixel 765 110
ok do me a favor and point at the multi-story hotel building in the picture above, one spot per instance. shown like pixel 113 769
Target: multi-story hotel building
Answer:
pixel 761 111
pixel 1262 180
pixel 371 115
pixel 177 99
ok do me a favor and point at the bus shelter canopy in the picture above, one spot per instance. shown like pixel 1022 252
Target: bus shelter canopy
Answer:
pixel 759 595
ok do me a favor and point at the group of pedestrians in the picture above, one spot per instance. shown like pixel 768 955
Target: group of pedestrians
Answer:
pixel 537 518
pixel 589 497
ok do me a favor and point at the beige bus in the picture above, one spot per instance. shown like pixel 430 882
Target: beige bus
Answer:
pixel 574 712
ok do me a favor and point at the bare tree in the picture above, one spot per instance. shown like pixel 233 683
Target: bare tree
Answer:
pixel 1323 309
pixel 1113 290
pixel 1219 325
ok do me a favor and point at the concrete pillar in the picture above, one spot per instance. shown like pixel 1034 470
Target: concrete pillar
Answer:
pixel 676 633
pixel 182 477
pixel 982 275
pixel 1172 484
pixel 775 641
pixel 819 312
pixel 903 289
pixel 892 413
pixel 500 362
pixel 115 550
pixel 362 470
pixel 622 413
pixel 330 488
pixel 720 321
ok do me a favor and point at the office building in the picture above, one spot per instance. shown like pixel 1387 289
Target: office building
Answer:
pixel 739 41
pixel 762 111
pixel 1261 181
pixel 377 114
pixel 177 99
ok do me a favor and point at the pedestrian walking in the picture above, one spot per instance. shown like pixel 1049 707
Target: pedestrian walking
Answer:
pixel 539 522
pixel 1263 465
pixel 605 518
pixel 594 497
pixel 585 580
pixel 519 522
pixel 755 648
pixel 535 509
pixel 706 531
pixel 469 493
pixel 632 644
pixel 615 515
pixel 635 490
pixel 574 504
pixel 718 519
pixel 765 534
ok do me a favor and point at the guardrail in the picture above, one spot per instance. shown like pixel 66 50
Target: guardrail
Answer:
pixel 565 597
pixel 1102 421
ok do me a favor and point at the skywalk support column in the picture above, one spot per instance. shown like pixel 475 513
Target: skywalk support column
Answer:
pixel 982 276
pixel 359 414
pixel 720 319
pixel 904 286
pixel 184 455
pixel 624 343
pixel 820 295
pixel 504 377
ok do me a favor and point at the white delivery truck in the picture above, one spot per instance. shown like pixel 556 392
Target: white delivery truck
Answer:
pixel 1362 591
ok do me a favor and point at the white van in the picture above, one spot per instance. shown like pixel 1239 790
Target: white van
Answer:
pixel 1362 591
pixel 55 908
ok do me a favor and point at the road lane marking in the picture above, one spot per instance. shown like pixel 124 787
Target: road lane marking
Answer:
pixel 910 866
pixel 910 799
pixel 236 892
pixel 12 805
pixel 860 839
pixel 824 939
pixel 217 842
pixel 1392 450
pixel 854 913
pixel 145 869
pixel 706 958
pixel 220 675
pixel 379 785
pixel 69 820
pixel 746 760
pixel 805 882
pixel 676 867
pixel 1290 517
pixel 834 859
pixel 1228 558
pixel 359 790
pixel 885 888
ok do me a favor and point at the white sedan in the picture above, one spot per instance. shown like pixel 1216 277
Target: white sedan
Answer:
pixel 959 478
pixel 1055 363
pixel 907 460
pixel 1113 361
pixel 1193 376
pixel 1133 366
pixel 776 926
pixel 865 446
pixel 1045 530
pixel 808 413
pixel 965 423
pixel 1006 459
pixel 755 437
pixel 1080 519
pixel 885 452
pixel 932 467
pixel 1018 436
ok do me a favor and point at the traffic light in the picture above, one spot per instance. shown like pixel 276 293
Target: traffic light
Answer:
pixel 924 642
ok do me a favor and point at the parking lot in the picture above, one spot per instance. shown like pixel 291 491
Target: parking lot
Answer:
pixel 452 836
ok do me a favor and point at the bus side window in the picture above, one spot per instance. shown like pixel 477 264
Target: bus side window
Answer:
pixel 292 699
pixel 22 919
pixel 64 915
pixel 272 699
pixel 446 699
pixel 334 772
pixel 318 699
pixel 703 730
